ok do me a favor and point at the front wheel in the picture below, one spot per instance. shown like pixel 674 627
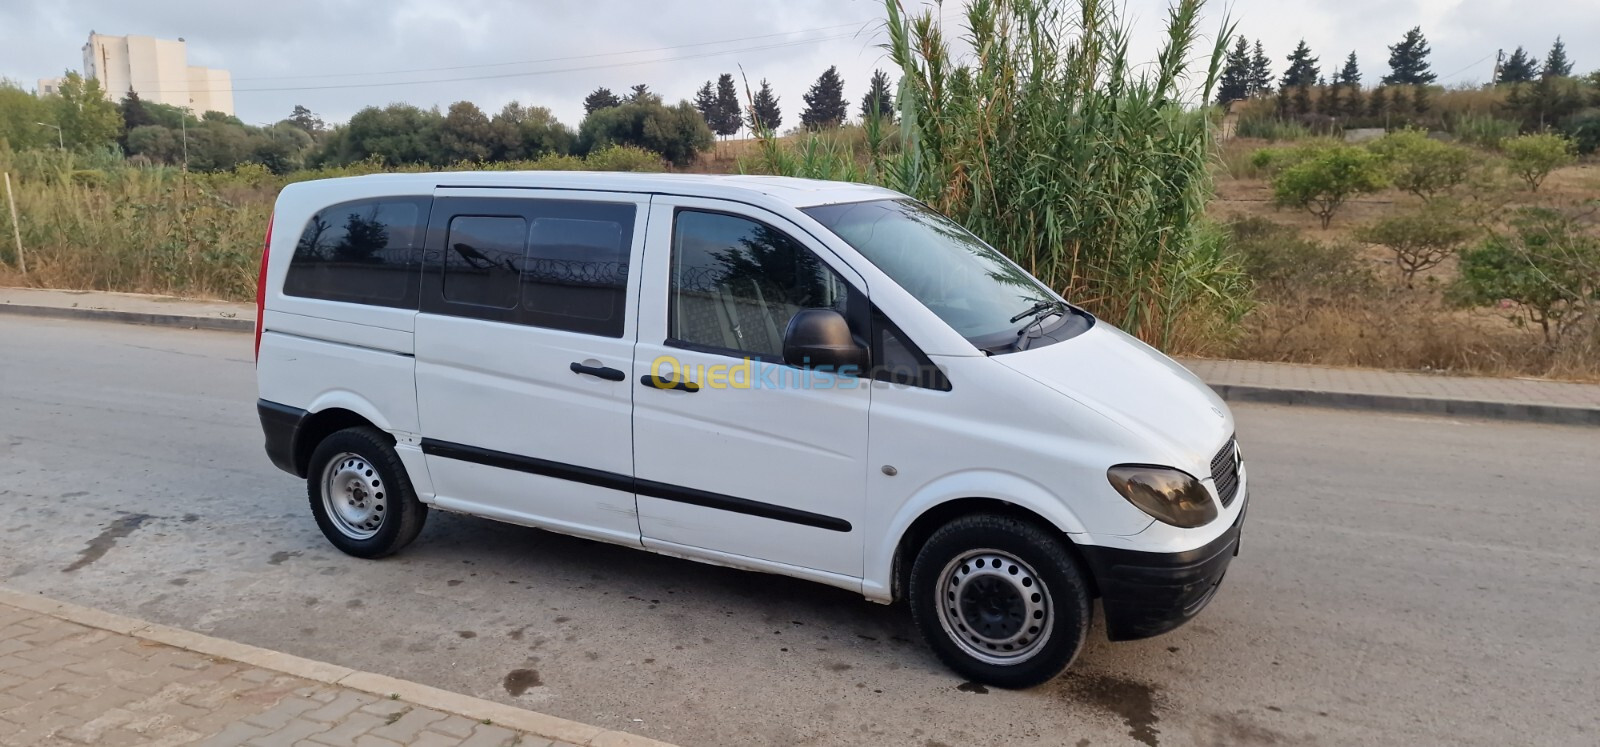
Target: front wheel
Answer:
pixel 1000 600
pixel 361 496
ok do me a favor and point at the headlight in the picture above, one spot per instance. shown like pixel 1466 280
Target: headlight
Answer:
pixel 1170 495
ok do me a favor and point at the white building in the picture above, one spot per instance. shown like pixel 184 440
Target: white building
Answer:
pixel 157 69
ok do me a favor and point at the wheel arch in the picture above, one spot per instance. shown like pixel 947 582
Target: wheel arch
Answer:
pixel 321 424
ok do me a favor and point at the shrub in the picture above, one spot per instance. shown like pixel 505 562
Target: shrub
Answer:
pixel 1545 265
pixel 1285 266
pixel 1533 157
pixel 1483 131
pixel 1584 129
pixel 1323 177
pixel 623 158
pixel 1420 239
pixel 1421 165
pixel 678 132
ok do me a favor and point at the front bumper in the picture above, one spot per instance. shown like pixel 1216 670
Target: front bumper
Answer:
pixel 1146 594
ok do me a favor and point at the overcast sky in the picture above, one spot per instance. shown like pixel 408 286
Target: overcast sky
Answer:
pixel 337 56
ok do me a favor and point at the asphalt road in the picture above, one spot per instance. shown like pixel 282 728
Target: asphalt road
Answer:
pixel 1403 580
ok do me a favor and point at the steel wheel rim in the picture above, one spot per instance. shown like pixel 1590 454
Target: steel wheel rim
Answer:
pixel 353 496
pixel 994 606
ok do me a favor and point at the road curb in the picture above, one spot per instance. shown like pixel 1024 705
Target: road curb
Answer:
pixel 1526 412
pixel 131 317
pixel 476 709
pixel 1515 411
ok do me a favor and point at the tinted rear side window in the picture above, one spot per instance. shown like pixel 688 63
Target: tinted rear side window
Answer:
pixel 543 263
pixel 367 252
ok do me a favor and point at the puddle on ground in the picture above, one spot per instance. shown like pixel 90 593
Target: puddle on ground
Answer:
pixel 1132 701
pixel 280 556
pixel 120 527
pixel 519 681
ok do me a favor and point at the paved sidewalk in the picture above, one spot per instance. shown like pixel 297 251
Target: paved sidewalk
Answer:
pixel 72 676
pixel 1237 381
pixel 1474 396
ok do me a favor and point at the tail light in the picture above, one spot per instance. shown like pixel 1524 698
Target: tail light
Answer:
pixel 261 287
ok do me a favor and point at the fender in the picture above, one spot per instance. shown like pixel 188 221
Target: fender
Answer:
pixel 343 399
pixel 877 578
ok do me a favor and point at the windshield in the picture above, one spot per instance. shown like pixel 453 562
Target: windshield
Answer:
pixel 964 281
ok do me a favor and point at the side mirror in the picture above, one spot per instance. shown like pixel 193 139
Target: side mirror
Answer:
pixel 820 338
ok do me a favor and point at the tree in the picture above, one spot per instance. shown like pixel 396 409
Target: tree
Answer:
pixel 306 120
pixel 87 119
pixel 281 148
pixel 600 98
pixel 641 93
pixel 764 112
pixel 1546 265
pixel 1419 239
pixel 1260 72
pixel 825 105
pixel 157 143
pixel 1325 176
pixel 879 100
pixel 1423 166
pixel 730 115
pixel 1533 157
pixel 528 132
pixel 1378 103
pixel 133 113
pixel 20 115
pixel 398 134
pixel 1349 78
pixel 705 102
pixel 1303 68
pixel 1408 60
pixel 1235 83
pixel 677 133
pixel 465 134
pixel 1519 68
pixel 1556 64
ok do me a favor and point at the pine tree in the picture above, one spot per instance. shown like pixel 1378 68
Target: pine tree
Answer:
pixel 1378 102
pixel 1260 72
pixel 306 120
pixel 1520 68
pixel 1419 99
pixel 764 111
pixel 1302 67
pixel 1408 60
pixel 705 102
pixel 601 98
pixel 1331 100
pixel 641 95
pixel 825 105
pixel 134 113
pixel 1349 79
pixel 1235 82
pixel 1556 64
pixel 730 116
pixel 879 100
pixel 1302 99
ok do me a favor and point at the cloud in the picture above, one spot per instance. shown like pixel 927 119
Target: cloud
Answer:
pixel 337 56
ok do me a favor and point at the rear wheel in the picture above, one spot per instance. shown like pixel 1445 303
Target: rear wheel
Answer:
pixel 360 494
pixel 1000 600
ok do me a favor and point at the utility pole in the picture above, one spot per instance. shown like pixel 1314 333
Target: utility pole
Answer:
pixel 16 228
pixel 1499 63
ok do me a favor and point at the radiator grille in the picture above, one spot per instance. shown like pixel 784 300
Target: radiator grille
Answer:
pixel 1225 471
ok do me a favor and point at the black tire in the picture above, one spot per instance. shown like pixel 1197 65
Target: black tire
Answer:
pixel 398 517
pixel 1062 598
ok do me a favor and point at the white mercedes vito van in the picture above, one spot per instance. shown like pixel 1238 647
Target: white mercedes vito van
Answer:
pixel 822 380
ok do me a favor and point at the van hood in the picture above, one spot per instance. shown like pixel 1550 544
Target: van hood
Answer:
pixel 1135 386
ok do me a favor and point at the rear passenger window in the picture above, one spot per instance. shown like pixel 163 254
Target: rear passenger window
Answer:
pixel 483 260
pixel 363 252
pixel 542 263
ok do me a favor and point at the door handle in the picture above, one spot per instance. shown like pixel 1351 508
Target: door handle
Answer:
pixel 682 385
pixel 600 372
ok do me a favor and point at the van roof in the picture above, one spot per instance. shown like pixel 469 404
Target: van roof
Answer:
pixel 790 190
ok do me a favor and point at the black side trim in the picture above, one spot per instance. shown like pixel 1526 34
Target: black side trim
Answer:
pixel 626 484
pixel 281 425
pixel 1149 593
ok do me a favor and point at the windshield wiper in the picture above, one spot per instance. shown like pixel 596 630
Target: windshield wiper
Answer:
pixel 1036 314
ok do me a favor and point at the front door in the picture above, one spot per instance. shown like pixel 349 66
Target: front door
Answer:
pixel 736 454
pixel 523 346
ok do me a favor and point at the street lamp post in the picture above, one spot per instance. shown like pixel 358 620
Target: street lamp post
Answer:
pixel 60 141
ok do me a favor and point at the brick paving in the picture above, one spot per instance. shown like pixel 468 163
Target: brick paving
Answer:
pixel 67 685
